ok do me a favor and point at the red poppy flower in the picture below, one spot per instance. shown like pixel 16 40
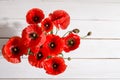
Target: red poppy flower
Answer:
pixel 33 36
pixel 72 42
pixel 55 65
pixel 39 55
pixel 13 49
pixel 54 44
pixel 34 16
pixel 47 25
pixel 60 18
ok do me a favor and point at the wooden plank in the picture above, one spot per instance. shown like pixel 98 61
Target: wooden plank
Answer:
pixel 77 10
pixel 84 1
pixel 99 29
pixel 91 49
pixel 96 49
pixel 60 78
pixel 76 69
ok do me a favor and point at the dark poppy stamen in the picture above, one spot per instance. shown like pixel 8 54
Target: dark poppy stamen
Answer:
pixel 52 45
pixel 41 46
pixel 71 42
pixel 33 35
pixel 35 18
pixel 55 66
pixel 39 55
pixel 46 25
pixel 15 50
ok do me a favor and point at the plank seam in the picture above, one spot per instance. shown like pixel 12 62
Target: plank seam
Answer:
pixel 81 38
pixel 1 57
pixel 71 19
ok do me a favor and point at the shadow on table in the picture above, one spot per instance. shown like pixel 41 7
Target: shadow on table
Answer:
pixel 8 28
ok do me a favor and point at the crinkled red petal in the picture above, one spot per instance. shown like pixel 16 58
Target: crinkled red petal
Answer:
pixel 34 12
pixel 60 18
pixel 48 65
pixel 76 39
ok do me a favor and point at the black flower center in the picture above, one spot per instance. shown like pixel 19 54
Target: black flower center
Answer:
pixel 71 42
pixel 52 45
pixel 47 25
pixel 55 66
pixel 15 50
pixel 33 35
pixel 36 18
pixel 39 55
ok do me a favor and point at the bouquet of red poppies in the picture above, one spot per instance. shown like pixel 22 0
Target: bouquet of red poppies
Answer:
pixel 41 43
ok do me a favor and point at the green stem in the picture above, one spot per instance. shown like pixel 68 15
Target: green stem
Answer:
pixel 29 52
pixel 61 55
pixel 51 32
pixel 88 34
pixel 57 31
pixel 66 33
pixel 84 37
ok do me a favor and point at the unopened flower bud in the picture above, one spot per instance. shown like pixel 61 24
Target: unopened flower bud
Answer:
pixel 76 30
pixel 89 33
pixel 69 58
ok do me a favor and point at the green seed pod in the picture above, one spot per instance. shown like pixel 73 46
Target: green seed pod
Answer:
pixel 89 33
pixel 76 30
pixel 69 58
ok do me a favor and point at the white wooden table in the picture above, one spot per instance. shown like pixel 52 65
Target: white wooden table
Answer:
pixel 98 56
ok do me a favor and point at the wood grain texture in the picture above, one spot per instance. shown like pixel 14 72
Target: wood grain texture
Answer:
pixel 98 56
pixel 77 10
pixel 59 79
pixel 100 29
pixel 80 68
